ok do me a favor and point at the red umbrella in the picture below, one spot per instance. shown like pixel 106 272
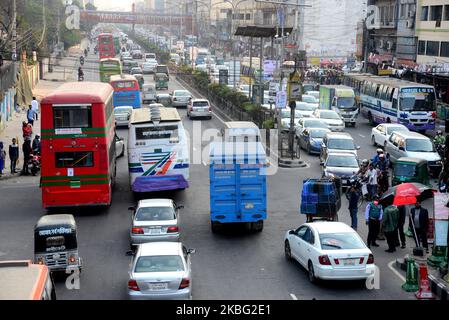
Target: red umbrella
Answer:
pixel 406 194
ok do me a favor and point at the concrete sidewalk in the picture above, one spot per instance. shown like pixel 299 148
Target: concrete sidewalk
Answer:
pixel 51 81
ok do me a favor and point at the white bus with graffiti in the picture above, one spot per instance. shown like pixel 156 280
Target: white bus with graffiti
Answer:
pixel 158 153
pixel 390 100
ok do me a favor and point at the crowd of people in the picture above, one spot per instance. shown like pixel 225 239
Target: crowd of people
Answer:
pixel 388 221
pixel 30 146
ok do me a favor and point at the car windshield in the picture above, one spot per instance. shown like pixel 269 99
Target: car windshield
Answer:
pixel 342 161
pixel 181 94
pixel 155 214
pixel 318 134
pixel 341 241
pixel 309 99
pixel 405 170
pixel 341 144
pixel 419 145
pixel 121 111
pixel 305 107
pixel 159 264
pixel 200 104
pixel 315 124
pixel 390 130
pixel 329 115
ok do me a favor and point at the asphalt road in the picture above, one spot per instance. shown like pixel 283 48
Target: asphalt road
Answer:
pixel 232 265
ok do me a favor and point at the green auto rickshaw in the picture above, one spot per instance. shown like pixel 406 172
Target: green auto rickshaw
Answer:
pixel 140 79
pixel 161 80
pixel 410 170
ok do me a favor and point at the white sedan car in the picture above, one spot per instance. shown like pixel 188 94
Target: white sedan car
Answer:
pixel 332 118
pixel 329 251
pixel 381 133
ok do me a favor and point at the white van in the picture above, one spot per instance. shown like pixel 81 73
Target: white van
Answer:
pixel 241 131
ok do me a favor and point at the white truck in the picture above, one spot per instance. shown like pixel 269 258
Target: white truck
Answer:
pixel 340 99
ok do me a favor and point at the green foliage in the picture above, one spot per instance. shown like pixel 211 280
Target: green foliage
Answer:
pixel 163 56
pixel 268 124
pixel 201 79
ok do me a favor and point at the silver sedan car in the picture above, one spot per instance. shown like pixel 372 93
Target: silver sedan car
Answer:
pixel 180 98
pixel 154 220
pixel 161 271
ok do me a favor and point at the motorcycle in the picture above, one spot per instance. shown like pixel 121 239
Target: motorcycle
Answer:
pixel 440 149
pixel 82 61
pixel 80 77
pixel 34 164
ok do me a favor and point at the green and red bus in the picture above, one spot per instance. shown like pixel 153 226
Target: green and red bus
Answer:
pixel 78 146
pixel 106 46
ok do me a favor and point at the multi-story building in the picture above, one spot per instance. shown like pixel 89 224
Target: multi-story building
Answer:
pixel 394 42
pixel 432 30
pixel 330 26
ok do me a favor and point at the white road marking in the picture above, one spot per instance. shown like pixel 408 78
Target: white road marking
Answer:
pixel 293 296
pixel 400 276
pixel 362 136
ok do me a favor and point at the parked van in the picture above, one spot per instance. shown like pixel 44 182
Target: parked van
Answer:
pixel 414 145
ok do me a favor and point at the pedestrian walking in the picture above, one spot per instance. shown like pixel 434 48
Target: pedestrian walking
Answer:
pixel 354 196
pixel 26 149
pixel 373 217
pixel 35 108
pixel 400 228
pixel 372 181
pixel 2 158
pixel 13 155
pixel 30 115
pixel 419 217
pixel 390 224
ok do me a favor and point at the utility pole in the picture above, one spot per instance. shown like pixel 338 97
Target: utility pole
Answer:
pixel 14 37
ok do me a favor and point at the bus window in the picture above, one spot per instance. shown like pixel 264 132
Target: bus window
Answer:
pixel 155 133
pixel 74 159
pixel 72 117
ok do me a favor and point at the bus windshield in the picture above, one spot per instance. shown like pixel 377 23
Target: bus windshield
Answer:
pixel 405 170
pixel 418 99
pixel 346 103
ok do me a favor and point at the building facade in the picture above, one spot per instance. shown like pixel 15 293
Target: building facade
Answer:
pixel 432 30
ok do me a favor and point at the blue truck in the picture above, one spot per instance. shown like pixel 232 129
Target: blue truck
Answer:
pixel 238 185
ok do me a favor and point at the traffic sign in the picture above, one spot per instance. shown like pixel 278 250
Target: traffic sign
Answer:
pixel 281 100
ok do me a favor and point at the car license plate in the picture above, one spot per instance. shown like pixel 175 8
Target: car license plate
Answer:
pixel 154 231
pixel 158 286
pixel 349 262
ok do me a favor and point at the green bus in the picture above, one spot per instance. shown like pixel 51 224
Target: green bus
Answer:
pixel 109 67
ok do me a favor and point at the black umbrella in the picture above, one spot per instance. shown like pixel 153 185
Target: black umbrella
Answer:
pixel 388 197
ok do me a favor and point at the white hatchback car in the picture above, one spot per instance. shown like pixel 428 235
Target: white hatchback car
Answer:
pixel 330 251
pixel 381 133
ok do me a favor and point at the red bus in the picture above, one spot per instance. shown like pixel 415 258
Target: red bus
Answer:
pixel 78 145
pixel 106 45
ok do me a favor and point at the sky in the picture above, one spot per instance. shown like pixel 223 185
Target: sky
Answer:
pixel 114 4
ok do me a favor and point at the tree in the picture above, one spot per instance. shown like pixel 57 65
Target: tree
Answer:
pixel 5 24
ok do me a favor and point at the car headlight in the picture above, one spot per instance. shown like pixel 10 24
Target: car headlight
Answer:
pixel 439 163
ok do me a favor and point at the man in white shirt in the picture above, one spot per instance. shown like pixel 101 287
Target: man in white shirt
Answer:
pixel 372 181
pixel 35 107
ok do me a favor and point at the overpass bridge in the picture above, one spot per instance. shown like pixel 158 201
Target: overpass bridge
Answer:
pixel 155 19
